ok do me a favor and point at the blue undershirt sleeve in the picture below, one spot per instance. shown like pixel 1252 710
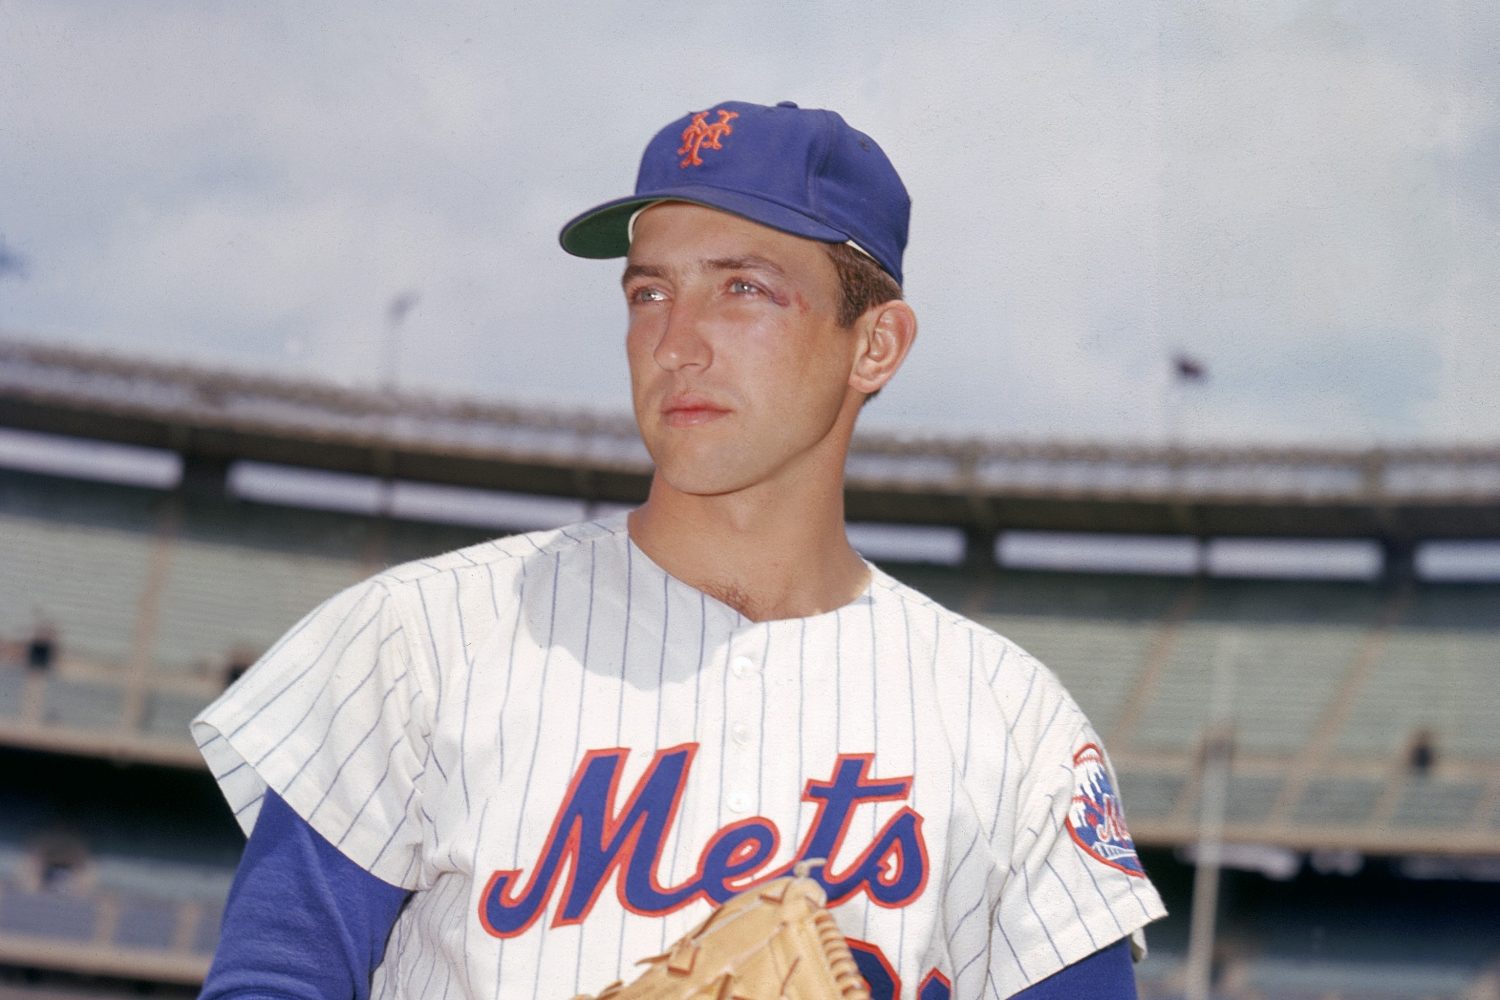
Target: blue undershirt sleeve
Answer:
pixel 1107 974
pixel 302 920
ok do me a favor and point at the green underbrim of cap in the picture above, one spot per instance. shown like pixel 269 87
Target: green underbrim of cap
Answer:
pixel 603 232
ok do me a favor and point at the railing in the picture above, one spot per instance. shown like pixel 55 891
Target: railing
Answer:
pixel 82 708
pixel 198 398
pixel 107 934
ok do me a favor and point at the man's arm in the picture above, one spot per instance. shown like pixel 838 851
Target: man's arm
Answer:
pixel 302 920
pixel 1107 974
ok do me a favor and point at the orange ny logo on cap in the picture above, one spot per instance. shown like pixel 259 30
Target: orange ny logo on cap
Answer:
pixel 700 135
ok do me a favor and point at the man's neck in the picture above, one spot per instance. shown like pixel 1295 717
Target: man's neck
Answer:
pixel 762 556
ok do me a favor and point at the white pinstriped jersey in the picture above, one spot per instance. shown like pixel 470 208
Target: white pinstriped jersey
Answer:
pixel 571 756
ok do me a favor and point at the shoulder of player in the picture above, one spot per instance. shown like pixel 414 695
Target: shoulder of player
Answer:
pixel 497 556
pixel 927 613
pixel 1010 670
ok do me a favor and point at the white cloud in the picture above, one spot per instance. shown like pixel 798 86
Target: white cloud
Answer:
pixel 1302 196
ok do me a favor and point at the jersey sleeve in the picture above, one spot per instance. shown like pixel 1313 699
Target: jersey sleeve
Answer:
pixel 302 921
pixel 335 720
pixel 1105 975
pixel 1074 882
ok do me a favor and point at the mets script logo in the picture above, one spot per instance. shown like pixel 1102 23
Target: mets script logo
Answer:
pixel 700 135
pixel 600 841
pixel 1095 819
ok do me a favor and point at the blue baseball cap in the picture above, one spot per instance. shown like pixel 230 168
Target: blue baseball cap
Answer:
pixel 800 170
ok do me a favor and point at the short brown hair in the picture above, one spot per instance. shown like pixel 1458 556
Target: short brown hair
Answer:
pixel 863 284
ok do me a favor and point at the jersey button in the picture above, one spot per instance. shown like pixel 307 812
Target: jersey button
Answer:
pixel 740 732
pixel 739 802
pixel 742 666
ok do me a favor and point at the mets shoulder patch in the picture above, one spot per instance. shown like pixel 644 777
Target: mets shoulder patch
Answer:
pixel 1096 820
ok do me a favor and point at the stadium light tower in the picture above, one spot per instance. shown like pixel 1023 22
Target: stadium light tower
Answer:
pixel 1214 764
pixel 1188 371
pixel 395 315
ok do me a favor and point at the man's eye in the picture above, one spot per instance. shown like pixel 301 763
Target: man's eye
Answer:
pixel 738 287
pixel 647 294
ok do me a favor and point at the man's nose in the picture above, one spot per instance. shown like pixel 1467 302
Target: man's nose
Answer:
pixel 683 343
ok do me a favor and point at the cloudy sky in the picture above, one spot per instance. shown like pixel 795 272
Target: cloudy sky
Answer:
pixel 1302 196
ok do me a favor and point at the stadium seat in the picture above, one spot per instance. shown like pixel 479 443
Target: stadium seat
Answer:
pixel 1343 802
pixel 1150 794
pixel 223 594
pixel 1437 805
pixel 168 713
pixel 1322 979
pixel 12 688
pixel 145 922
pixel 1251 796
pixel 90 705
pixel 206 935
pixel 91 589
pixel 64 915
pixel 1281 680
pixel 1441 680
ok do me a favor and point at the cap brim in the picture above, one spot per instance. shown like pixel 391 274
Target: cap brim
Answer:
pixel 603 231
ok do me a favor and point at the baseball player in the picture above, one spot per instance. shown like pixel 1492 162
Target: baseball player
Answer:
pixel 517 769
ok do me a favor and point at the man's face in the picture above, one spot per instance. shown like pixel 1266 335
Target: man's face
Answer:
pixel 738 368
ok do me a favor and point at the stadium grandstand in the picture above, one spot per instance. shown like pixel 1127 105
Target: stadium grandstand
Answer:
pixel 1293 654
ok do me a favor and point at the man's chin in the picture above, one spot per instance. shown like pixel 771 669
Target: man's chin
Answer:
pixel 701 482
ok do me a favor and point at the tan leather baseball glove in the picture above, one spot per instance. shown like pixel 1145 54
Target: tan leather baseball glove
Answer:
pixel 774 942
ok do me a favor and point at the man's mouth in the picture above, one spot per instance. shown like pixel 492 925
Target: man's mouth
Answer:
pixel 691 410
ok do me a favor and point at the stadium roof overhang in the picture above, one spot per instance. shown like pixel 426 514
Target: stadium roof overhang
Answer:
pixel 213 418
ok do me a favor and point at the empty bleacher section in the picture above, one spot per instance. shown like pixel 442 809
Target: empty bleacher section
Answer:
pixel 63 916
pixel 1317 681
pixel 148 613
pixel 77 554
pixel 1438 673
pixel 1346 802
pixel 1322 936
pixel 1152 794
pixel 114 872
pixel 85 705
pixel 1097 633
pixel 241 575
pixel 12 687
pixel 1270 655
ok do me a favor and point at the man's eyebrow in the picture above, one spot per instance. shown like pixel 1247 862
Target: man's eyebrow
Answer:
pixel 634 271
pixel 750 262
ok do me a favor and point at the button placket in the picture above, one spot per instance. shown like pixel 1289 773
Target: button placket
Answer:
pixel 742 723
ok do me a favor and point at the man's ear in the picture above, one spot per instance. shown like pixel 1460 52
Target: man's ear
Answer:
pixel 886 334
